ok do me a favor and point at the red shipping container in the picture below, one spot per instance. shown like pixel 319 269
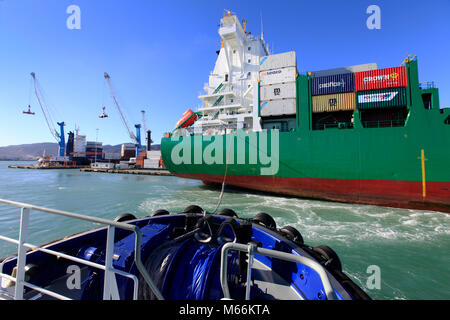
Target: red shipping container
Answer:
pixel 381 79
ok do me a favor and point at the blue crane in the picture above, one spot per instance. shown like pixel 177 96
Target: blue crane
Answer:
pixel 48 118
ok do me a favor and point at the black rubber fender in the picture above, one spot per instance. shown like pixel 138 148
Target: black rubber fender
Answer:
pixel 31 270
pixel 228 213
pixel 124 217
pixel 193 209
pixel 265 219
pixel 292 234
pixel 160 212
pixel 330 258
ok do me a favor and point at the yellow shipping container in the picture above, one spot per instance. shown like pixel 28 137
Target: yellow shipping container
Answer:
pixel 334 102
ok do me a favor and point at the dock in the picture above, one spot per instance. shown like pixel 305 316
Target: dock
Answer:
pixel 150 172
pixel 33 166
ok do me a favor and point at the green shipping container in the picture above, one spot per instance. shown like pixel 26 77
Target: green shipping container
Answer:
pixel 384 98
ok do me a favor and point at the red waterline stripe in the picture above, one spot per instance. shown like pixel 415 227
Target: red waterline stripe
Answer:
pixel 401 194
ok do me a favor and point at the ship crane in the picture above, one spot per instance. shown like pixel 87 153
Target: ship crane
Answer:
pixel 135 138
pixel 59 137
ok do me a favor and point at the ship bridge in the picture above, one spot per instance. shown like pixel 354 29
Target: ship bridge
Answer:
pixel 232 32
pixel 229 95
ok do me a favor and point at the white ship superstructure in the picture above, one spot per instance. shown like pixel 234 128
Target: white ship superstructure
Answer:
pixel 231 98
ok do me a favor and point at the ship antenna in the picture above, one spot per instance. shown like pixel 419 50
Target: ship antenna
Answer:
pixel 262 29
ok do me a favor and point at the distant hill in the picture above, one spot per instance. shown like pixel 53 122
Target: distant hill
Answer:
pixel 32 151
pixel 25 152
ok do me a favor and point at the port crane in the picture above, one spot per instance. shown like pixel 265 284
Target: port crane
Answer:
pixel 48 118
pixel 136 138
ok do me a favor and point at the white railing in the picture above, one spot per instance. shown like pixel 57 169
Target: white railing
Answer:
pixel 110 289
pixel 251 250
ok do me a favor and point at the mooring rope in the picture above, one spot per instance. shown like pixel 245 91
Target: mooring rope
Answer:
pixel 225 175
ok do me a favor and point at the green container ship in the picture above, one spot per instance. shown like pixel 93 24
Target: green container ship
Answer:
pixel 258 130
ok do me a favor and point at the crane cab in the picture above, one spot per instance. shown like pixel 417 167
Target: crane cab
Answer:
pixel 29 111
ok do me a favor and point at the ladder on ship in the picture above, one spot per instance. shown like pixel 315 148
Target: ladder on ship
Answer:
pixel 218 101
pixel 218 88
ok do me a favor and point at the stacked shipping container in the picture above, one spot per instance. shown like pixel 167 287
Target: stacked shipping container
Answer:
pixel 333 93
pixel 79 146
pixel 94 150
pixel 128 151
pixel 383 88
pixel 372 89
pixel 278 91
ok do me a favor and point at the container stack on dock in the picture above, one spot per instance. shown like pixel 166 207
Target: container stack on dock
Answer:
pixel 79 147
pixel 128 151
pixel 278 90
pixel 153 160
pixel 140 159
pixel 94 150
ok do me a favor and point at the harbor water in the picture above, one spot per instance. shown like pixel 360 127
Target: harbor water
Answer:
pixel 410 248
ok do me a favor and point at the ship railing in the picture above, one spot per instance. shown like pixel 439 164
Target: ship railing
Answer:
pixel 427 85
pixel 383 123
pixel 110 289
pixel 251 250
pixel 340 125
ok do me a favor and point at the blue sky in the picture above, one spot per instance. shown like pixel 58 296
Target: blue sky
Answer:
pixel 159 54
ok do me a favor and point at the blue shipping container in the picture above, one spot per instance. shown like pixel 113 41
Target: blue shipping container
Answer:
pixel 339 83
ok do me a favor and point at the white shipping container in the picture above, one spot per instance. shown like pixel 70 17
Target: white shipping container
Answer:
pixel 278 76
pixel 79 154
pixel 60 158
pixel 151 164
pixel 278 91
pixel 277 61
pixel 102 165
pixel 112 156
pixel 128 146
pixel 80 144
pixel 278 107
pixel 79 148
pixel 155 155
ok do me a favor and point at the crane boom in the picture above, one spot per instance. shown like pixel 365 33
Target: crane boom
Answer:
pixel 44 109
pixel 48 118
pixel 122 115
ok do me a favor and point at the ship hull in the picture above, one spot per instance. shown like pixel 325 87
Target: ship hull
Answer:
pixel 389 193
pixel 404 165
